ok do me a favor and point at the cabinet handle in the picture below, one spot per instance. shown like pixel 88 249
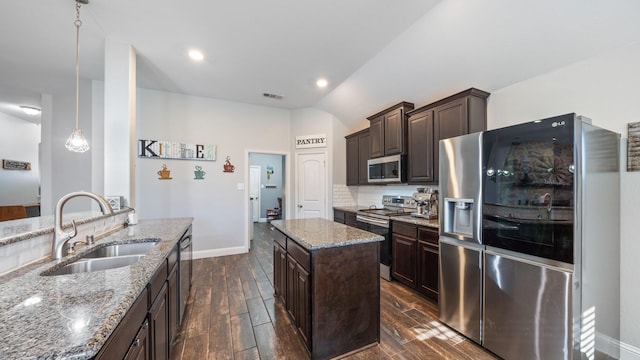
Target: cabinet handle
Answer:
pixel 136 343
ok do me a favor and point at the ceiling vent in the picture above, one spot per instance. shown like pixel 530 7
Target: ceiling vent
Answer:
pixel 273 96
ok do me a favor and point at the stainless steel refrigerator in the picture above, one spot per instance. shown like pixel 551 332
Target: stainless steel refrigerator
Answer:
pixel 461 249
pixel 550 226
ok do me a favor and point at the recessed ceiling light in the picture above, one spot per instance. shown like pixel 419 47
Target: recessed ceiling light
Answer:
pixel 322 83
pixel 30 110
pixel 196 55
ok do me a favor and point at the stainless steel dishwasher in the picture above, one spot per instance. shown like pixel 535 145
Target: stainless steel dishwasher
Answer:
pixel 186 270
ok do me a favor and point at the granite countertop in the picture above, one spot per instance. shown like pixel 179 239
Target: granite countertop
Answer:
pixel 320 233
pixel 71 316
pixel 433 223
pixel 21 229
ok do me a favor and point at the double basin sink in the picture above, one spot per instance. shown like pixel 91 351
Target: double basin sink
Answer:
pixel 106 257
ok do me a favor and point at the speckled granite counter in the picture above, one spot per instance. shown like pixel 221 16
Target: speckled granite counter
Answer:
pixel 321 233
pixel 417 221
pixel 71 316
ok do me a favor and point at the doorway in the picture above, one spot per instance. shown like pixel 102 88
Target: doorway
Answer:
pixel 311 180
pixel 266 188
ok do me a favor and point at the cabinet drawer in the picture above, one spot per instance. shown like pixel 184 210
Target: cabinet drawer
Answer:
pixel 299 254
pixel 339 216
pixel 428 235
pixel 157 281
pixel 405 229
pixel 279 237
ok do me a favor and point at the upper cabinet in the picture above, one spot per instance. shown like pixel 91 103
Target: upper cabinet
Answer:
pixel 358 145
pixel 388 131
pixel 458 114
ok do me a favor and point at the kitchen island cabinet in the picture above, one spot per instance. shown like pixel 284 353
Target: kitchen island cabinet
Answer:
pixel 331 286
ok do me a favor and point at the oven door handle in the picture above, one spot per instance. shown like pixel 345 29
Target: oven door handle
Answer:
pixel 368 220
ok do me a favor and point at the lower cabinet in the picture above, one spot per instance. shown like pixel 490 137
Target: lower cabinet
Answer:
pixel 151 324
pixel 139 349
pixel 345 217
pixel 415 257
pixel 159 326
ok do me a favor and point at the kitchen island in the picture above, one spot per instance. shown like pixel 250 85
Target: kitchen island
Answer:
pixel 327 275
pixel 75 316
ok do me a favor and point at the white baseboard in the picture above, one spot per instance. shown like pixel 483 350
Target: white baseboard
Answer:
pixel 615 348
pixel 263 220
pixel 629 352
pixel 201 254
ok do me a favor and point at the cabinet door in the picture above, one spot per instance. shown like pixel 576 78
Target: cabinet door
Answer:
pixel 394 133
pixel 363 155
pixel 420 148
pixel 303 300
pixel 173 305
pixel 279 271
pixel 404 259
pixel 159 329
pixel 376 140
pixel 449 120
pixel 351 219
pixel 339 216
pixel 292 284
pixel 428 269
pixel 353 162
pixel 139 350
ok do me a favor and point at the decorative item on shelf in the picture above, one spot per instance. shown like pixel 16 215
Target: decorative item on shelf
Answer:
pixel 633 147
pixel 15 165
pixel 76 141
pixel 165 174
pixel 228 168
pixel 163 149
pixel 199 173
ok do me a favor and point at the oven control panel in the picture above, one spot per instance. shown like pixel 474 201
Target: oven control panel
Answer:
pixel 398 201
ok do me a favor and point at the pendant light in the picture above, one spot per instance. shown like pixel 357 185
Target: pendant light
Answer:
pixel 76 141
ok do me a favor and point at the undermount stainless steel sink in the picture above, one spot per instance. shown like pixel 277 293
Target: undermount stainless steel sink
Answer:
pixel 105 258
pixel 87 265
pixel 139 248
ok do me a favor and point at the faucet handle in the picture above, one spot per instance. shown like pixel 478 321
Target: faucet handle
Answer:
pixel 74 231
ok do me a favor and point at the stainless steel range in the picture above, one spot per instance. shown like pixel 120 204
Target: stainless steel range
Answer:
pixel 378 222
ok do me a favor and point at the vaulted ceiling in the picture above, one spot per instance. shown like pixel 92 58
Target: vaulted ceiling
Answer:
pixel 372 52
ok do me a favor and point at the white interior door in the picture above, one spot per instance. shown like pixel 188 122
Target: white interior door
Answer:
pixel 312 186
pixel 254 192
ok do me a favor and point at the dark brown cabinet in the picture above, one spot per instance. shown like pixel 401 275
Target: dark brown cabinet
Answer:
pixel 420 148
pixel 159 326
pixel 139 349
pixel 173 306
pixel 459 114
pixel 388 131
pixel 357 156
pixel 334 283
pixel 415 257
pixel 345 217
pixel 428 257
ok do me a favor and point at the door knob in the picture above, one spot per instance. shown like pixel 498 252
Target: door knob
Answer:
pixel 300 206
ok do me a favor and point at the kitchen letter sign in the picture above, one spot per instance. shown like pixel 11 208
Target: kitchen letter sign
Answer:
pixel 311 141
pixel 161 149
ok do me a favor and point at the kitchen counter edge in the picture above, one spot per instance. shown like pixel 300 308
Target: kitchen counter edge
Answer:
pixel 318 233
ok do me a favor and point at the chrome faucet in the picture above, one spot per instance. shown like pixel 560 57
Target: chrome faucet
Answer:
pixel 60 237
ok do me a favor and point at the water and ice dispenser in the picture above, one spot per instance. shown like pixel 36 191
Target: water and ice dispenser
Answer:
pixel 458 217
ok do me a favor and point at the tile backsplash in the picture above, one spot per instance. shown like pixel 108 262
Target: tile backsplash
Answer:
pixel 366 196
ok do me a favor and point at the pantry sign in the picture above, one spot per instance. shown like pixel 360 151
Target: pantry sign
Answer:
pixel 311 141
pixel 161 149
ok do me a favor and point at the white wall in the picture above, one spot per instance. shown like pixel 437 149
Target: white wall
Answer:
pixel 604 88
pixel 219 208
pixel 19 141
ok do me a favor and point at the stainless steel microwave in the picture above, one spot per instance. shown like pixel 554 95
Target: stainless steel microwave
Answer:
pixel 387 170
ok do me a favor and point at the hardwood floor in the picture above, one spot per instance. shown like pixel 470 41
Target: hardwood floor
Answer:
pixel 231 314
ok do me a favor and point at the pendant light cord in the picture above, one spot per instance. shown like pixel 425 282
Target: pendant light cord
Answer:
pixel 78 23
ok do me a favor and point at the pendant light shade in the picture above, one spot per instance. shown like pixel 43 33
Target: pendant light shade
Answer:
pixel 76 141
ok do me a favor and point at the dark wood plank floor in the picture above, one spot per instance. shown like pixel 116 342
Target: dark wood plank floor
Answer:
pixel 231 314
